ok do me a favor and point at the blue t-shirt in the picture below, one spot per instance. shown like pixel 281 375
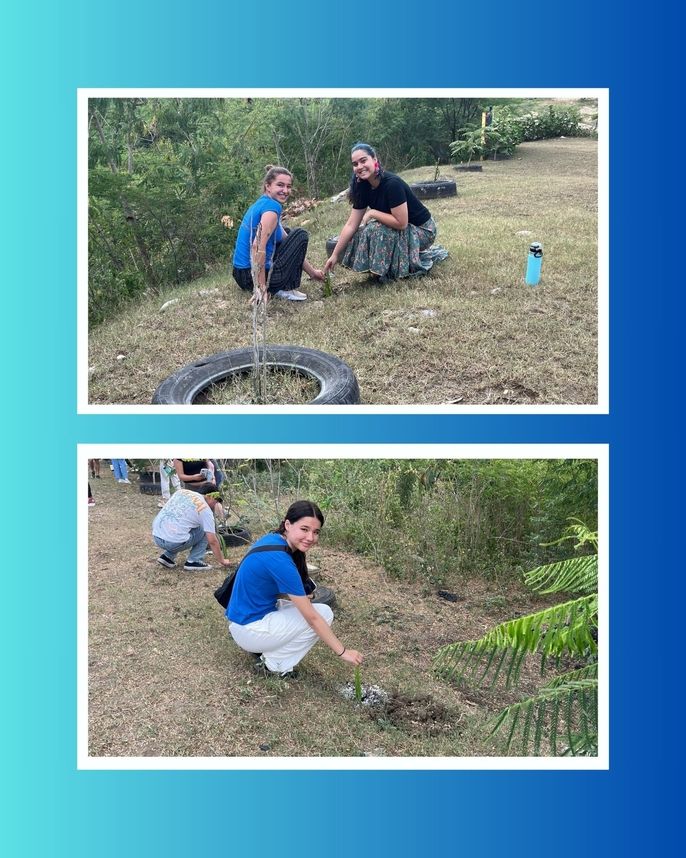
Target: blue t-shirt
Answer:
pixel 259 581
pixel 248 228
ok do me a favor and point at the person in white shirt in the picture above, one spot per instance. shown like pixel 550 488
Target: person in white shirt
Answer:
pixel 186 523
pixel 167 475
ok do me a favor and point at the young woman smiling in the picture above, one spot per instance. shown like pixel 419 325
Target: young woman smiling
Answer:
pixel 388 226
pixel 274 249
pixel 282 631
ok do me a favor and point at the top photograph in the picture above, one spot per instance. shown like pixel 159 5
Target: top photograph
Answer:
pixel 435 251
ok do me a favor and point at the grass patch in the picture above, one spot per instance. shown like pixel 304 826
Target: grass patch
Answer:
pixel 165 679
pixel 284 387
pixel 469 332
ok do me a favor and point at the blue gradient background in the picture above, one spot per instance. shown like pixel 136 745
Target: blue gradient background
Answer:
pixel 49 808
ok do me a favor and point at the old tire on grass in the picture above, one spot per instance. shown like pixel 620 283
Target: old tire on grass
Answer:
pixel 434 190
pixel 324 596
pixel 337 382
pixel 234 537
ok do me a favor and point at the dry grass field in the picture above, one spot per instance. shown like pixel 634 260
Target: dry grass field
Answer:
pixel 166 680
pixel 470 332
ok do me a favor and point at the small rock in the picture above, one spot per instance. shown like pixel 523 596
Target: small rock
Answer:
pixel 413 330
pixel 524 232
pixel 168 304
pixel 202 292
pixel 496 290
pixel 91 370
pixel 429 313
pixel 130 651
pixel 265 746
pixel 121 357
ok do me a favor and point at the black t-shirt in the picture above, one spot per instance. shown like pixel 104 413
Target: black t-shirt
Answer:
pixel 191 467
pixel 392 192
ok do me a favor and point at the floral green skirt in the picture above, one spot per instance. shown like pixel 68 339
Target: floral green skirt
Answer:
pixel 390 253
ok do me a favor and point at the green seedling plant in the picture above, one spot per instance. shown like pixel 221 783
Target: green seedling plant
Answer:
pixel 327 289
pixel 358 685
pixel 223 546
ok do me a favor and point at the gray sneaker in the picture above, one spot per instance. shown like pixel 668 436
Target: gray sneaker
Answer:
pixel 290 295
pixel 196 566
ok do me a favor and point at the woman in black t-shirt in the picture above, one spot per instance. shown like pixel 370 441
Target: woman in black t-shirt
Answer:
pixel 190 473
pixel 388 225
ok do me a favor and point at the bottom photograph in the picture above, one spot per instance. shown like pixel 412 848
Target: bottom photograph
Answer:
pixel 419 607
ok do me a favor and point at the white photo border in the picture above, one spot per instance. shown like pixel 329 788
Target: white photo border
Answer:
pixel 599 452
pixel 601 94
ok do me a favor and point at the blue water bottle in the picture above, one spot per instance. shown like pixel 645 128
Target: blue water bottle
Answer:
pixel 533 264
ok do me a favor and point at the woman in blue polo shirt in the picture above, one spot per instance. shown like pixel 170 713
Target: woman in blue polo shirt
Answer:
pixel 282 630
pixel 279 255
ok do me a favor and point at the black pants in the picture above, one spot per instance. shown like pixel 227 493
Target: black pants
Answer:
pixel 287 264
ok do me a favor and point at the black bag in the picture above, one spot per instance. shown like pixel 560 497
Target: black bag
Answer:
pixel 223 593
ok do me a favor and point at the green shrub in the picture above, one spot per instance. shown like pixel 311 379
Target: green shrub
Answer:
pixel 439 521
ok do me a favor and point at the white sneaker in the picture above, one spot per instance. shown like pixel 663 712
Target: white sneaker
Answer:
pixel 125 482
pixel 291 295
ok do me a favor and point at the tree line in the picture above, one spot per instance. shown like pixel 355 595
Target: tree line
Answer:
pixel 163 172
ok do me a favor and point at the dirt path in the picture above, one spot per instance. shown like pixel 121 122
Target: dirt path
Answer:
pixel 165 679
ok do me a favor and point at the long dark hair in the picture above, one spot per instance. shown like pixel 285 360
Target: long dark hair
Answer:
pixel 354 189
pixel 296 511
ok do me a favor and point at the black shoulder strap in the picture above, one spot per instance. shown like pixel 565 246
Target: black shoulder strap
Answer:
pixel 223 593
pixel 266 548
pixel 257 549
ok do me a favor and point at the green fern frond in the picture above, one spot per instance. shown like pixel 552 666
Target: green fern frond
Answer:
pixel 536 721
pixel 564 629
pixel 590 671
pixel 573 575
pixel 577 531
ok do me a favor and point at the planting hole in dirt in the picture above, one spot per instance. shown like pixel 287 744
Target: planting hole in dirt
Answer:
pixel 413 714
pixel 284 387
pixel 417 715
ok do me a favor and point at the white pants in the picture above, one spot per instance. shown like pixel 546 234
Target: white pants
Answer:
pixel 164 481
pixel 284 636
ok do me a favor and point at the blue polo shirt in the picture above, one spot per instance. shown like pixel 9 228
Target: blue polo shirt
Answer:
pixel 259 581
pixel 248 229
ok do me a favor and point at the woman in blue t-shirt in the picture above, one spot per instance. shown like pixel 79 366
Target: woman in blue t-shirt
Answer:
pixel 388 226
pixel 279 255
pixel 282 631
